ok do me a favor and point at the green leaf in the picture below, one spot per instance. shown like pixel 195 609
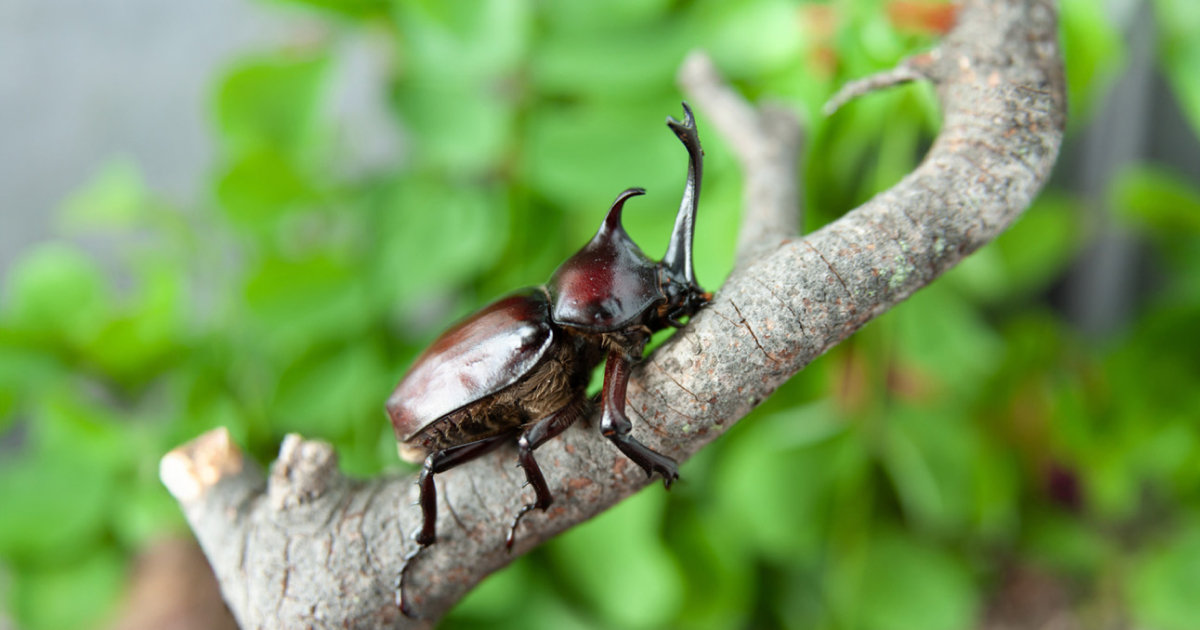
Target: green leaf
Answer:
pixel 996 487
pixel 1158 200
pixel 651 586
pixel 755 488
pixel 114 198
pixel 1093 54
pixel 71 596
pixel 634 60
pixel 460 128
pixel 581 157
pixel 483 41
pixel 1165 585
pixel 1179 53
pixel 903 584
pixel 24 374
pixel 506 599
pixel 146 511
pixel 296 303
pixel 330 394
pixel 871 37
pixel 499 595
pixel 136 345
pixel 357 9
pixel 572 17
pixel 271 103
pixel 260 186
pixel 753 38
pixel 1064 543
pixel 720 575
pixel 55 508
pixel 462 119
pixel 57 294
pixel 434 235
pixel 940 333
pixel 929 455
pixel 70 423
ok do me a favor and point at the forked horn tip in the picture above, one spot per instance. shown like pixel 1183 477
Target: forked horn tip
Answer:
pixel 688 123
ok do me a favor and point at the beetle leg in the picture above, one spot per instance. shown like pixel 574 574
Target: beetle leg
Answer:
pixel 441 461
pixel 401 601
pixel 536 435
pixel 436 462
pixel 615 425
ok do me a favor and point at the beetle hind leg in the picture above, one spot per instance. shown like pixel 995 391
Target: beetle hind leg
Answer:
pixel 441 461
pixel 536 435
pixel 438 461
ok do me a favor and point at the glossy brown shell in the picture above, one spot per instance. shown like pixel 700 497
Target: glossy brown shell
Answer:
pixel 478 357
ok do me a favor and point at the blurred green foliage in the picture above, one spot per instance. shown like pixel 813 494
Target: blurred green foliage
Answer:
pixel 896 483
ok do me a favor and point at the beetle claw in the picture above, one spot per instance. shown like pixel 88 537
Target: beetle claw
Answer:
pixel 668 480
pixel 512 531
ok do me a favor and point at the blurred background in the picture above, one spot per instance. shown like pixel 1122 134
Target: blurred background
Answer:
pixel 254 215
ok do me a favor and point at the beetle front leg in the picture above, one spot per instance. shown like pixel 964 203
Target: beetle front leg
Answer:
pixel 615 425
pixel 536 435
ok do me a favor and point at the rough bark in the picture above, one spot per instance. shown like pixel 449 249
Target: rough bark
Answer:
pixel 310 548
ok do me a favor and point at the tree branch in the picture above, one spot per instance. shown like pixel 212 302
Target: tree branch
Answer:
pixel 309 547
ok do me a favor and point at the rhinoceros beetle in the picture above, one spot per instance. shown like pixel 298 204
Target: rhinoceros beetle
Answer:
pixel 520 367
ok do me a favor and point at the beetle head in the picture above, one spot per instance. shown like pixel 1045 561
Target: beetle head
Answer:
pixel 611 284
pixel 607 284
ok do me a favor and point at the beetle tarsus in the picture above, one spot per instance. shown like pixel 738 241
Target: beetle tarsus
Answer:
pixel 402 602
pixel 512 530
pixel 648 459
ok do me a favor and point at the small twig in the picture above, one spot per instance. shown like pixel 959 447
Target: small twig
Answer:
pixel 916 68
pixel 767 143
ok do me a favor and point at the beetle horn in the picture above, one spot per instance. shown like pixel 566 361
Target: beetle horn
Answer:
pixel 678 259
pixel 612 222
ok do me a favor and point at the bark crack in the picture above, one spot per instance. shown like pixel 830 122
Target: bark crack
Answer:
pixel 831 269
pixel 745 324
pixel 679 384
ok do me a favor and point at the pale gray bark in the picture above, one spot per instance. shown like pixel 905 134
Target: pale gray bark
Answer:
pixel 310 548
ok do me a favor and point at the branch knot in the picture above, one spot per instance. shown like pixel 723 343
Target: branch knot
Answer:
pixel 304 471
